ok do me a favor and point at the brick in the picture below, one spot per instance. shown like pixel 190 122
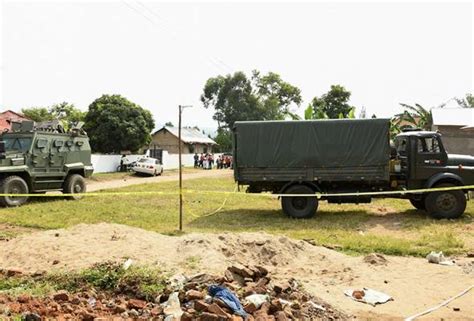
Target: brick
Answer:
pixel 216 309
pixel 136 304
pixel 194 295
pixel 200 306
pixel 61 296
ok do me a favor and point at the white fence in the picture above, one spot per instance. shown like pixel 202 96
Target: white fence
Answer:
pixel 110 163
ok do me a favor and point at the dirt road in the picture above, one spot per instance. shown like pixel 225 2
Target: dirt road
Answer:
pixel 136 180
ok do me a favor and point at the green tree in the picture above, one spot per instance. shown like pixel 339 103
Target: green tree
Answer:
pixel 169 124
pixel 417 116
pixel 333 104
pixel 467 102
pixel 65 112
pixel 115 124
pixel 37 114
pixel 238 97
pixel 223 139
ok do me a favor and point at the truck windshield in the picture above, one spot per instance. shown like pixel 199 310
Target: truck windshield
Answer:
pixel 21 144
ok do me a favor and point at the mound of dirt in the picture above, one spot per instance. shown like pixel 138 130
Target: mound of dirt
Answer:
pixel 85 245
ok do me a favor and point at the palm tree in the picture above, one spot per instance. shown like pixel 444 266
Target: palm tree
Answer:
pixel 417 115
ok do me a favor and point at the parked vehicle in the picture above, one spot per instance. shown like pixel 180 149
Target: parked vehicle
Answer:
pixel 37 159
pixel 148 166
pixel 348 156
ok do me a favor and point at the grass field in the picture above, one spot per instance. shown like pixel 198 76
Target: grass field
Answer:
pixel 387 226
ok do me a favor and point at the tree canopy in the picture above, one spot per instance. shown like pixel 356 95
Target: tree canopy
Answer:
pixel 333 104
pixel 116 124
pixel 260 97
pixel 64 112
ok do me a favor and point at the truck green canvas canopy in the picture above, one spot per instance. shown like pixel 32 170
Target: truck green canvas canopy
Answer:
pixel 312 143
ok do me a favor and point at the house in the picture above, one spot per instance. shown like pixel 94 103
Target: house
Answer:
pixel 192 141
pixel 454 123
pixel 9 116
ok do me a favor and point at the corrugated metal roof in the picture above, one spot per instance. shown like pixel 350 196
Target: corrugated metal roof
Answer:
pixel 453 116
pixel 190 135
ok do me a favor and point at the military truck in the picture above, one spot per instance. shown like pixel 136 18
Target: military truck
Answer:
pixel 40 158
pixel 348 156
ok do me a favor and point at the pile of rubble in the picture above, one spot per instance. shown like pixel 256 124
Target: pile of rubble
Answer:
pixel 251 295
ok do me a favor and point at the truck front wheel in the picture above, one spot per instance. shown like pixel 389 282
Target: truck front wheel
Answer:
pixel 299 207
pixel 13 185
pixel 445 204
pixel 74 184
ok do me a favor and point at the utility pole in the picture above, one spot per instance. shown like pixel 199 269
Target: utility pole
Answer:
pixel 180 107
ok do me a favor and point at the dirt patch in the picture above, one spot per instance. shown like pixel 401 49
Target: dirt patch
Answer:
pixel 375 259
pixel 412 282
pixel 7 232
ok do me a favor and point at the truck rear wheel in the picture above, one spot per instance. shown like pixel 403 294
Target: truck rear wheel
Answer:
pixel 418 204
pixel 13 185
pixel 299 207
pixel 74 184
pixel 445 204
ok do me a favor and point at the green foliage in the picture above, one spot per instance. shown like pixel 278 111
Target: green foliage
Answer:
pixel 467 102
pixel 333 104
pixel 238 97
pixel 64 112
pixel 223 140
pixel 417 116
pixel 115 124
pixel 137 281
pixel 37 114
pixel 169 124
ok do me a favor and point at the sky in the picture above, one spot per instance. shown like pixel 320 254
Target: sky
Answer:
pixel 160 54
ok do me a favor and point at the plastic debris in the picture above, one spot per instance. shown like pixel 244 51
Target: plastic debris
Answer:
pixel 317 306
pixel 439 258
pixel 257 299
pixel 127 264
pixel 172 307
pixel 227 297
pixel 368 296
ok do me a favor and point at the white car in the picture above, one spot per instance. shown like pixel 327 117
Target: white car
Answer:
pixel 149 166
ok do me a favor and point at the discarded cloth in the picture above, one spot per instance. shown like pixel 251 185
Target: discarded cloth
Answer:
pixel 368 296
pixel 227 297
pixel 438 258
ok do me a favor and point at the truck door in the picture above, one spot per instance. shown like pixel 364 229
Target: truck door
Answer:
pixel 429 156
pixel 40 155
pixel 57 155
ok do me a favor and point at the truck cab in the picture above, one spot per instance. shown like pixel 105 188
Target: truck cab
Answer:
pixel 425 163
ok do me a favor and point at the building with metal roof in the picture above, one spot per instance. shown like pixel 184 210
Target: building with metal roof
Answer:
pixel 192 140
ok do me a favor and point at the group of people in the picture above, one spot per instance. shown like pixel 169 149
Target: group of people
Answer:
pixel 207 161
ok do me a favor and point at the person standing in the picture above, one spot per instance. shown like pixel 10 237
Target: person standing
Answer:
pixel 196 160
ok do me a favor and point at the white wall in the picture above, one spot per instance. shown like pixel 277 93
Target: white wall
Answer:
pixel 109 163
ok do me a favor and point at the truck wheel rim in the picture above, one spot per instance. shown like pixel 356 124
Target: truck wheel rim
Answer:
pixel 15 189
pixel 77 188
pixel 446 202
pixel 299 203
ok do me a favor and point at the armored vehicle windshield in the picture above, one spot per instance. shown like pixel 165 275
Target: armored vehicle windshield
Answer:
pixel 17 143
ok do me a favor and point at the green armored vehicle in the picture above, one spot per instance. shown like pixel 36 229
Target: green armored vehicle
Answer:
pixel 41 158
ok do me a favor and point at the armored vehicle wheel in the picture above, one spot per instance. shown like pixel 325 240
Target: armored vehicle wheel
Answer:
pixel 74 184
pixel 299 207
pixel 446 204
pixel 418 204
pixel 13 185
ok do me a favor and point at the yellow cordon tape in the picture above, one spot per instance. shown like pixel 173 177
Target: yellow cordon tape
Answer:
pixel 317 195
